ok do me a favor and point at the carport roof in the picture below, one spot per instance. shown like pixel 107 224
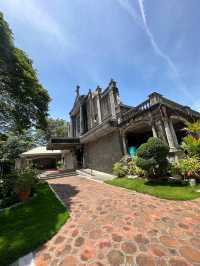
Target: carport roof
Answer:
pixel 42 150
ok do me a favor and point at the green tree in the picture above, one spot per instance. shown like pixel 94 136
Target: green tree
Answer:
pixel 23 100
pixel 15 144
pixel 55 128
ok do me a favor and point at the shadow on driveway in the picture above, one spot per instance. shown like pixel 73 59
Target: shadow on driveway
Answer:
pixel 66 192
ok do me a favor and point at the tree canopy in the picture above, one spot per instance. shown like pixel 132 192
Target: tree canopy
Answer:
pixel 55 128
pixel 15 144
pixel 23 100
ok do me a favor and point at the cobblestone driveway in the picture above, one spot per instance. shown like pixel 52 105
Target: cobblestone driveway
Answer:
pixel 112 226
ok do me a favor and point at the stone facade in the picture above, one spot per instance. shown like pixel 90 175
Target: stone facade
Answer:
pixel 102 128
pixel 104 152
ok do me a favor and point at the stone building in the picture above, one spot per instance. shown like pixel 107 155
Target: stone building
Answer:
pixel 103 129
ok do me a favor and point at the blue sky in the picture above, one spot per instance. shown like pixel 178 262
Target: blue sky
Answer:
pixel 145 45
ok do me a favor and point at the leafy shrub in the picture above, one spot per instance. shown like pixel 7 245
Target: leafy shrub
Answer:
pixel 191 145
pixel 8 193
pixel 120 170
pixel 152 157
pixel 26 180
pixel 127 166
pixel 133 169
pixel 11 184
pixel 188 167
pixel 193 129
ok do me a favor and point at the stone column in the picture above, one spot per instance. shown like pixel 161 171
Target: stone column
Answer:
pixel 169 135
pixel 81 120
pixel 90 117
pixel 74 162
pixel 112 104
pixel 71 128
pixel 161 131
pixel 124 144
pixel 155 135
pixel 99 108
pixel 173 134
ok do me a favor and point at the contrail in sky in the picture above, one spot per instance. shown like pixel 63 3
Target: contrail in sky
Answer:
pixel 160 52
pixel 153 42
pixel 126 5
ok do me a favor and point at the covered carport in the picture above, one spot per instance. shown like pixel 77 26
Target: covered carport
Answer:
pixel 39 157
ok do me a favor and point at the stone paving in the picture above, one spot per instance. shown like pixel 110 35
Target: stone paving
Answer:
pixel 112 226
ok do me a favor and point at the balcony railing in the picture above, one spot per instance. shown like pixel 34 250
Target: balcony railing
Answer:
pixel 136 110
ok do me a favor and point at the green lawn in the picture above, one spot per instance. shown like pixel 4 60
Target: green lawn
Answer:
pixel 163 190
pixel 26 227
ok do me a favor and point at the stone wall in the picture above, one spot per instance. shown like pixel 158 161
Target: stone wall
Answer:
pixel 68 160
pixel 104 152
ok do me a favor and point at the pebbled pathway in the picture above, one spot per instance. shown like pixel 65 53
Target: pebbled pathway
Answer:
pixel 112 226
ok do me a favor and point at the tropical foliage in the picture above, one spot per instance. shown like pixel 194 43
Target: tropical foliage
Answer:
pixel 187 167
pixel 127 166
pixel 191 143
pixel 119 169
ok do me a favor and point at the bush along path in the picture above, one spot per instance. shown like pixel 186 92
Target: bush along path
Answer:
pixel 26 227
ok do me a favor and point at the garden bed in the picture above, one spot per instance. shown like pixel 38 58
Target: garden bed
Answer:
pixel 162 189
pixel 27 226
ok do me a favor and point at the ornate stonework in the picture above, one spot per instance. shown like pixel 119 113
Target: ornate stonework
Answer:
pixel 99 115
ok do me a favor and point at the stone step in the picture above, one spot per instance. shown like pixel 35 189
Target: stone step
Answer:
pixel 57 175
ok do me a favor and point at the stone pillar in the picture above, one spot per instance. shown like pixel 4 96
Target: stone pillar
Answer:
pixel 124 144
pixel 77 125
pixel 169 135
pixel 74 159
pixel 71 128
pixel 99 108
pixel 68 160
pixel 155 135
pixel 173 134
pixel 90 117
pixel 161 131
pixel 81 120
pixel 112 104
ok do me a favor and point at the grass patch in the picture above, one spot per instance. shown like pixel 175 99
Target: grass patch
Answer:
pixel 26 227
pixel 163 190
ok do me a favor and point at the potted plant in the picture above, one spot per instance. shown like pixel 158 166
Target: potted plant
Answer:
pixel 26 181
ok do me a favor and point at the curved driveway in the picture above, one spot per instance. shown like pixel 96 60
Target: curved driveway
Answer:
pixel 112 226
